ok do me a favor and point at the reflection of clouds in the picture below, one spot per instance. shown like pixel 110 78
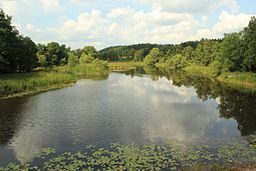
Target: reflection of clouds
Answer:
pixel 174 111
pixel 27 144
pixel 120 109
pixel 144 85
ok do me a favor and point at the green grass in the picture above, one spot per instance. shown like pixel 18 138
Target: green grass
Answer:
pixel 123 66
pixel 201 70
pixel 243 79
pixel 19 84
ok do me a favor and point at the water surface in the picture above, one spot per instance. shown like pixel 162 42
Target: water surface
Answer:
pixel 128 107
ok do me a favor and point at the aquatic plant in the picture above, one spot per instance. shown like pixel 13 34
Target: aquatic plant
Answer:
pixel 170 156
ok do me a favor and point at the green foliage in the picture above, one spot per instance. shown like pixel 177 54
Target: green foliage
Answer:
pixel 153 57
pixel 28 58
pixel 17 53
pixel 55 54
pixel 249 43
pixel 204 53
pixel 50 78
pixel 229 55
pixel 86 58
pixel 177 62
pixel 90 51
pixel 188 53
pixel 41 60
pixel 72 60
pixel 138 55
pixel 100 63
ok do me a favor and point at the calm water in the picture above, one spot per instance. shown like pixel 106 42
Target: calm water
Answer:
pixel 131 107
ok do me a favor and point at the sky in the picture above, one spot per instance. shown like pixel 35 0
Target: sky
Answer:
pixel 104 23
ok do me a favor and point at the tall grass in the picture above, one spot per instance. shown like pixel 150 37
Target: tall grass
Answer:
pixel 26 83
pixel 244 79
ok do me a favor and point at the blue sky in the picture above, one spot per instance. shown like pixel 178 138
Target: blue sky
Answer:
pixel 103 23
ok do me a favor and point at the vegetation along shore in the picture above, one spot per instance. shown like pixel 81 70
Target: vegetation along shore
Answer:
pixel 33 68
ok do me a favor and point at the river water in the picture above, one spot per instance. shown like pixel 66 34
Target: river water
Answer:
pixel 127 107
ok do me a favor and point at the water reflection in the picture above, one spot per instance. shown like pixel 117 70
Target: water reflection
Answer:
pixel 138 106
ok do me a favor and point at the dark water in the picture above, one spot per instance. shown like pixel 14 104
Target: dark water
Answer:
pixel 130 107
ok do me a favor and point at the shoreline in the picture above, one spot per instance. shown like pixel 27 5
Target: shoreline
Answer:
pixel 38 91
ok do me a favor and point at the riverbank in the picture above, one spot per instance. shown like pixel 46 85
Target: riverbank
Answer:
pixel 20 84
pixel 233 79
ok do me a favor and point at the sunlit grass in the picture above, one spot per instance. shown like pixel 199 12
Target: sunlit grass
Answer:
pixel 114 66
pixel 45 79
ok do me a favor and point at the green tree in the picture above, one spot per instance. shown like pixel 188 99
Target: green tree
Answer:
pixel 177 62
pixel 229 54
pixel 90 50
pixel 41 60
pixel 86 58
pixel 138 55
pixel 55 53
pixel 153 57
pixel 188 52
pixel 27 58
pixel 73 60
pixel 9 42
pixel 204 53
pixel 249 42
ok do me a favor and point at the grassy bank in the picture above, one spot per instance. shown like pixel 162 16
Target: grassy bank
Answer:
pixel 19 84
pixel 123 66
pixel 234 79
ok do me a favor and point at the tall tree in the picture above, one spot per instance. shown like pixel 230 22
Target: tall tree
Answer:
pixel 8 44
pixel 27 58
pixel 249 41
pixel 229 55
pixel 153 57
pixel 204 53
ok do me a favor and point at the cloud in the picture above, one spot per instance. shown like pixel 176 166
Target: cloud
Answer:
pixel 50 5
pixel 8 6
pixel 227 23
pixel 183 5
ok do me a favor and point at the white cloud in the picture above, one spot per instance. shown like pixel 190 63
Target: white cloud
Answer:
pixel 120 12
pixel 8 6
pixel 50 5
pixel 232 4
pixel 227 23
pixel 183 5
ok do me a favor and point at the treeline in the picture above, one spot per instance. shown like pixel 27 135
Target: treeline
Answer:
pixel 138 52
pixel 21 54
pixel 234 52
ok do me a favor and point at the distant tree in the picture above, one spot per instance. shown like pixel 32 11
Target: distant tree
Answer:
pixel 86 58
pixel 204 53
pixel 73 60
pixel 177 62
pixel 55 53
pixel 90 50
pixel 153 57
pixel 188 52
pixel 138 55
pixel 41 60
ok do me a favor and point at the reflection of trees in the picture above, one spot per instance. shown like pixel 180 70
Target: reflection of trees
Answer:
pixel 234 103
pixel 10 118
pixel 240 106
